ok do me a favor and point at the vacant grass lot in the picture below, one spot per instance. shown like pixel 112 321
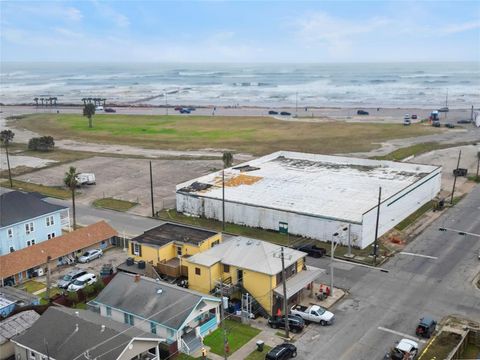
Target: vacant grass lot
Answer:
pixel 417 149
pixel 55 192
pixel 441 346
pixel 256 135
pixel 114 204
pixel 238 335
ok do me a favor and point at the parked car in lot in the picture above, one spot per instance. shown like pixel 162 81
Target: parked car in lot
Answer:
pixel 110 110
pixel 464 121
pixel 282 352
pixel 436 123
pixel 449 125
pixel 313 313
pixel 426 327
pixel 273 112
pixel 99 108
pixel 362 112
pixel 414 117
pixel 406 349
pixel 295 323
pixel 407 122
pixel 69 278
pixel 82 281
pixel 185 111
pixel 285 113
pixel 312 250
pixel 90 255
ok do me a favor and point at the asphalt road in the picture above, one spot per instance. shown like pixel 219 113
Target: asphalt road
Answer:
pixel 128 225
pixel 382 306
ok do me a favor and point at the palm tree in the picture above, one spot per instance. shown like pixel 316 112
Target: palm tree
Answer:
pixel 6 137
pixel 478 165
pixel 84 101
pixel 89 100
pixel 70 181
pixel 104 101
pixel 227 162
pixel 55 101
pixel 36 101
pixel 41 99
pixel 89 111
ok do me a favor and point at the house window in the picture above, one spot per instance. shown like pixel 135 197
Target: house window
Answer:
pixel 109 311
pixel 179 251
pixel 226 268
pixel 128 319
pixel 216 242
pixel 10 232
pixel 49 220
pixel 12 249
pixel 29 228
pixel 30 242
pixel 51 236
pixel 197 271
pixel 31 355
pixel 137 249
pixel 153 327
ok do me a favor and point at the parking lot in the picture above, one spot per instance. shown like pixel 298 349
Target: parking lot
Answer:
pixel 128 179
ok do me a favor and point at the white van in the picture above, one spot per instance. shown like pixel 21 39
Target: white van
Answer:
pixel 99 108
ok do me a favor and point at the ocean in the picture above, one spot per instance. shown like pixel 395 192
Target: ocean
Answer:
pixel 422 85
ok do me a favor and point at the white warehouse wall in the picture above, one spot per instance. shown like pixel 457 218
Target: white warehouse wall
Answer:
pixel 398 207
pixel 244 214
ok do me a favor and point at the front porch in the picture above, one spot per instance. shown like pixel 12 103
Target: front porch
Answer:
pixel 196 330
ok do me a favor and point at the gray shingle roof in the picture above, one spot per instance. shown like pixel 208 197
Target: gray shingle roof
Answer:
pixel 16 206
pixel 167 304
pixel 57 329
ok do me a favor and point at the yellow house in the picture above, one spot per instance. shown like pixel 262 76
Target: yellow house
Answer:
pixel 164 246
pixel 249 265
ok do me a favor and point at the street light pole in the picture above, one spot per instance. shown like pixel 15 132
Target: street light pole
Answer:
pixel 375 246
pixel 332 251
pixel 455 176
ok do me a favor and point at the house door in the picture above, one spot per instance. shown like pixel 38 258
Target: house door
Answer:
pixel 239 275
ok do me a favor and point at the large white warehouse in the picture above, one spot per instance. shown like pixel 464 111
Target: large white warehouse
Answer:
pixel 316 195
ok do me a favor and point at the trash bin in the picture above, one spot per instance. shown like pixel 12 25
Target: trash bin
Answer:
pixel 260 345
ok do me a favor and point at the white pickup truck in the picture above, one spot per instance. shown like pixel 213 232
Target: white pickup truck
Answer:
pixel 314 313
pixel 86 178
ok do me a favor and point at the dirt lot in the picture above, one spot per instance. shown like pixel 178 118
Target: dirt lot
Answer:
pixel 447 158
pixel 128 179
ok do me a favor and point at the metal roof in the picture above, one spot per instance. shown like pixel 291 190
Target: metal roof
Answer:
pixel 151 299
pixel 16 324
pixel 248 253
pixel 319 185
pixel 298 281
pixel 16 206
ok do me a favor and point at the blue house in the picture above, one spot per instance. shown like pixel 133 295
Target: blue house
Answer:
pixel 25 220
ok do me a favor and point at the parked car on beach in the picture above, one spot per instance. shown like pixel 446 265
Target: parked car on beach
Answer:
pixel 362 112
pixel 99 108
pixel 285 113
pixel 82 282
pixel 273 112
pixel 414 117
pixel 110 110
pixel 90 255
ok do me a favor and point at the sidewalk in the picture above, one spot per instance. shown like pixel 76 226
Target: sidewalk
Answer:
pixel 267 337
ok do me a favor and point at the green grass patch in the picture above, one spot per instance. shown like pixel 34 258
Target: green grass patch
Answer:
pixel 253 134
pixel 441 346
pixel 53 291
pixel 257 355
pixel 182 356
pixel 50 191
pixel 32 286
pixel 114 204
pixel 471 352
pixel 416 149
pixel 267 235
pixel 474 178
pixel 415 216
pixel 238 334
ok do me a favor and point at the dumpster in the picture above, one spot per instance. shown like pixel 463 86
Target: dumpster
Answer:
pixel 260 345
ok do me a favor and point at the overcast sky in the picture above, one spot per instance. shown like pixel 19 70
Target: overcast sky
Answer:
pixel 229 31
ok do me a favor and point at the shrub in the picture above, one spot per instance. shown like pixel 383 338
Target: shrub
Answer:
pixel 73 297
pixel 88 290
pixel 99 285
pixel 44 143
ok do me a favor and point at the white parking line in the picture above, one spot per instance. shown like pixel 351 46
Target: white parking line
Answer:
pixel 419 255
pixel 401 334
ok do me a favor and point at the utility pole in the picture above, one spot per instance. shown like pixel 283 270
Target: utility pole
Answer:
pixel 223 199
pixel 296 104
pixel 151 190
pixel 375 246
pixel 349 240
pixel 471 115
pixel 47 293
pixel 166 102
pixel 285 300
pixel 455 176
pixel 222 321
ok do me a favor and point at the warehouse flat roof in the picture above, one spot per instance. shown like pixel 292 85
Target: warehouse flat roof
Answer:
pixel 334 187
